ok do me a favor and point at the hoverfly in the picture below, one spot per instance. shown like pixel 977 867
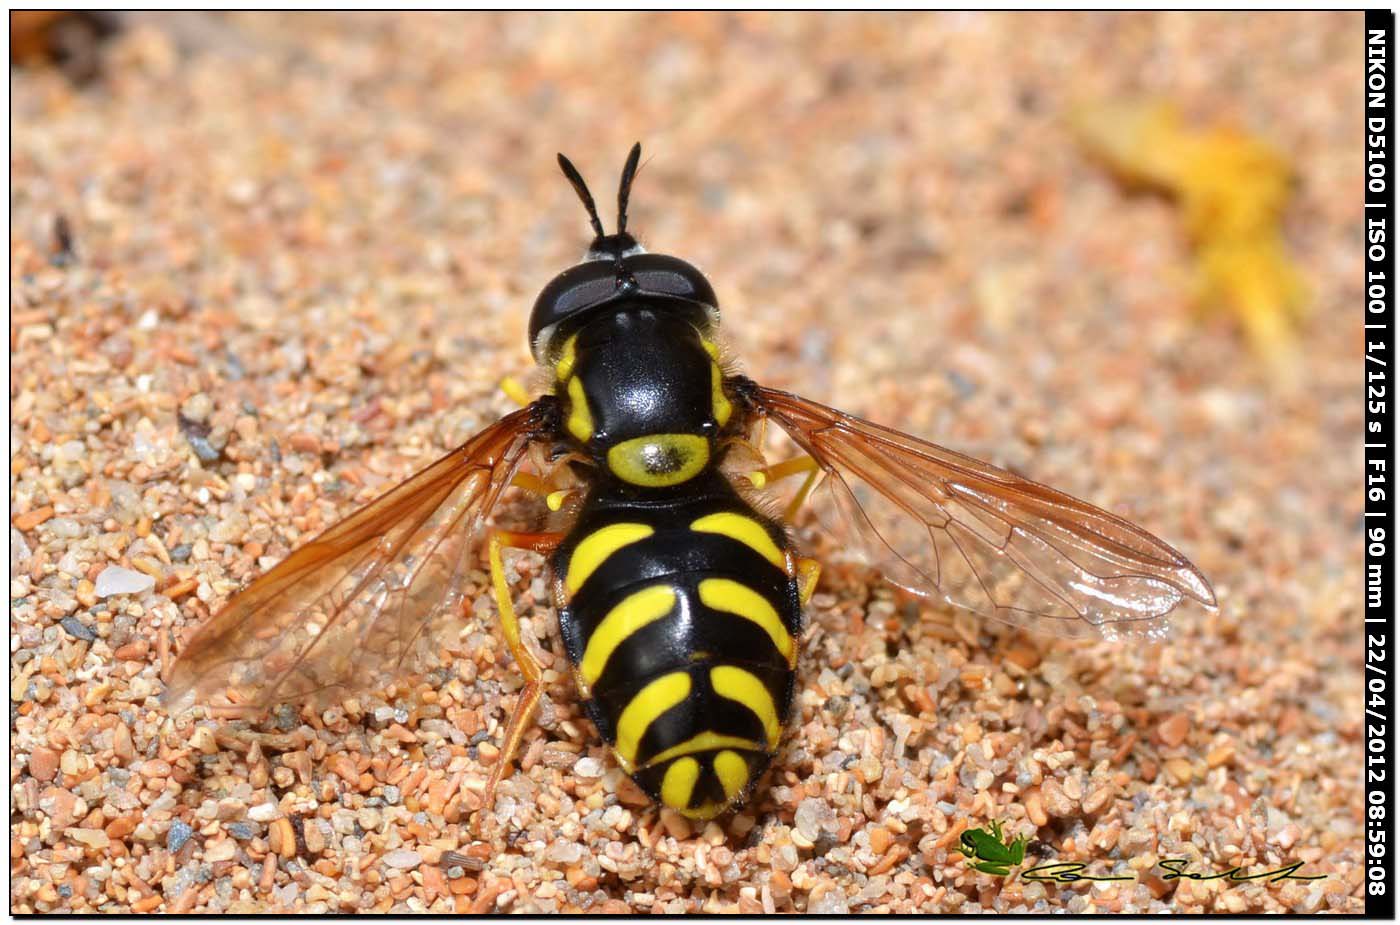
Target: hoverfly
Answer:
pixel 679 599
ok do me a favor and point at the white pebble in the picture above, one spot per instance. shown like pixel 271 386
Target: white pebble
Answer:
pixel 563 852
pixel 19 550
pixel 812 817
pixel 588 767
pixel 264 812
pixel 117 580
pixel 403 859
pixel 832 902
pixel 197 407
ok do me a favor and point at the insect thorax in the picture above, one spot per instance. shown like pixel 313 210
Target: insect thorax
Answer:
pixel 642 392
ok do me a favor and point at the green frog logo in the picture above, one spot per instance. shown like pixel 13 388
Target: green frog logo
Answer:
pixel 989 852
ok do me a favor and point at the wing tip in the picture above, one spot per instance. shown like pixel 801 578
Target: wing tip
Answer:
pixel 1198 587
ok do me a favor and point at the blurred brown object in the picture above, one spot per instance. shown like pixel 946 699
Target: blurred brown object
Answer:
pixel 68 39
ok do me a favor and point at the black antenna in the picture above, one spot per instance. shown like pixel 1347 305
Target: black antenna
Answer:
pixel 624 189
pixel 576 180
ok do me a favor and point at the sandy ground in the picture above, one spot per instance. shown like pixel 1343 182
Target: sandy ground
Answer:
pixel 317 240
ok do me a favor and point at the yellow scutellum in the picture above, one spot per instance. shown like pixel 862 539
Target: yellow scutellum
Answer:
pixel 1232 189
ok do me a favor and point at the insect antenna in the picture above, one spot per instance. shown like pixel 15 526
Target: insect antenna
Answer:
pixel 624 189
pixel 576 180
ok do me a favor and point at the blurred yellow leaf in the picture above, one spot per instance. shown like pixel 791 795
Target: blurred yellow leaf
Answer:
pixel 1232 189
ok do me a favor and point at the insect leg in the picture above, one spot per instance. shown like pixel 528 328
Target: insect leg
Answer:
pixel 532 483
pixel 808 571
pixel 530 667
pixel 547 486
pixel 791 467
pixel 515 391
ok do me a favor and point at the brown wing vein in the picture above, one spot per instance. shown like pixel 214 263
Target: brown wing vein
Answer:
pixel 347 609
pixel 988 540
pixel 341 612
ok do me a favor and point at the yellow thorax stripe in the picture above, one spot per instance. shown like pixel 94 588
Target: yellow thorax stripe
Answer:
pixel 705 741
pixel 743 687
pixel 720 402
pixel 565 367
pixel 733 773
pixel 731 597
pixel 595 549
pixel 643 709
pixel 631 614
pixel 744 530
pixel 580 422
pixel 678 785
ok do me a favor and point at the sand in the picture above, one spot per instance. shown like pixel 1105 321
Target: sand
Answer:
pixel 303 252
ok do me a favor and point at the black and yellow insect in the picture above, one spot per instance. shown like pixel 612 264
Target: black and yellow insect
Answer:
pixel 679 596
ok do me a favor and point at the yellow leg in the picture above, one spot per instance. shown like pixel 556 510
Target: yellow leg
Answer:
pixel 786 469
pixel 530 668
pixel 515 391
pixel 554 498
pixel 531 483
pixel 535 485
pixel 808 571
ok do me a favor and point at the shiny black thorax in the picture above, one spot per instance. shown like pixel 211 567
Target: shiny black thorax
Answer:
pixel 644 371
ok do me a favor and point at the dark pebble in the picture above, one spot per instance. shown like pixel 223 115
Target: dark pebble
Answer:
pixel 180 553
pixel 179 833
pixel 286 718
pixel 197 436
pixel 202 448
pixel 242 831
pixel 454 860
pixel 964 386
pixel 78 628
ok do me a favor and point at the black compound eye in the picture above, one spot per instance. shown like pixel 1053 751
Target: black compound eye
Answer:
pixel 575 290
pixel 659 280
pixel 660 274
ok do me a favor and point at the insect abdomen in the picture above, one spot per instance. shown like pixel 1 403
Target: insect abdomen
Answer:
pixel 682 626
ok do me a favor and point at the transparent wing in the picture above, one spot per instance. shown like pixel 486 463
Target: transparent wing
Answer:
pixel 361 603
pixel 937 522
